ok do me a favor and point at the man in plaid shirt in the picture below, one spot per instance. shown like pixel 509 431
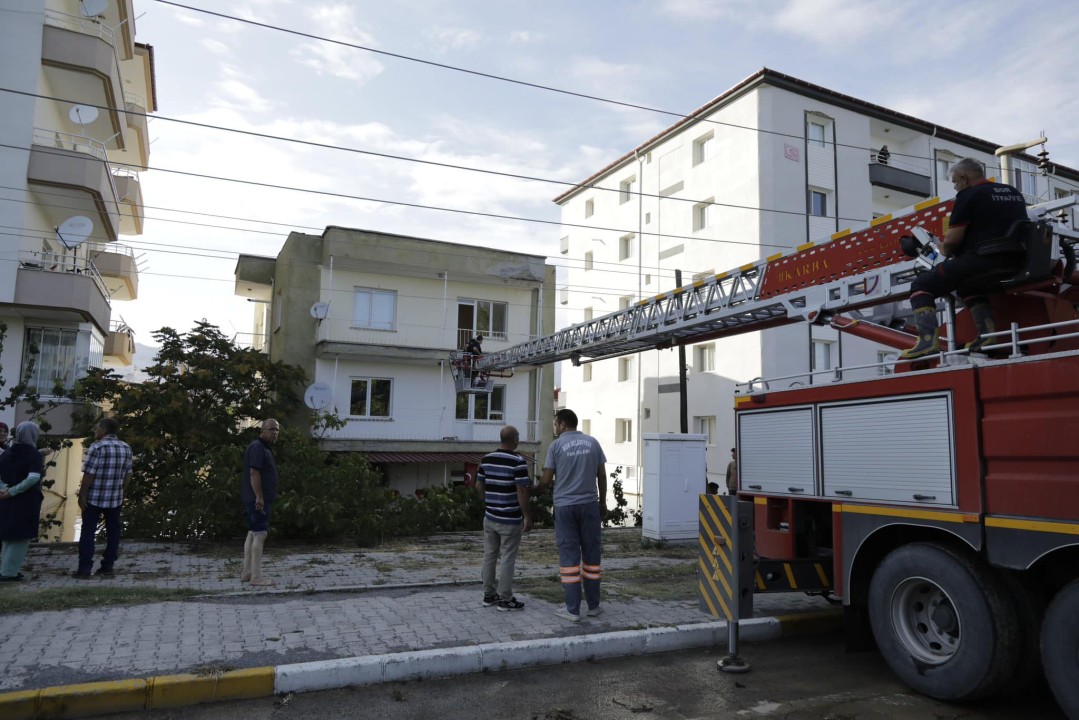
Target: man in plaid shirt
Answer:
pixel 105 474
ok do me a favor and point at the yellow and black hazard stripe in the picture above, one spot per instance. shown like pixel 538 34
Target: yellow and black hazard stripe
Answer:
pixel 788 575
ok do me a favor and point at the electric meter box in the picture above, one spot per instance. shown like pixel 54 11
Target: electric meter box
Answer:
pixel 674 480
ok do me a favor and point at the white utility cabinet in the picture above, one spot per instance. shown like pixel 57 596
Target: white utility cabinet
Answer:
pixel 674 480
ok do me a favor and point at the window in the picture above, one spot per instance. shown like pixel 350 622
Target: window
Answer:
pixel 588 260
pixel 818 203
pixel 648 218
pixel 589 208
pixel 703 148
pixel 704 357
pixel 816 131
pixel 563 295
pixel 625 246
pixel 374 309
pixel 702 214
pixel 625 189
pixel 588 314
pixel 564 245
pixel 623 430
pixel 586 372
pixel 625 301
pixel 625 369
pixel 482 317
pixel 647 278
pixel 822 355
pixel 370 397
pixel 63 357
pixel 482 406
pixel 706 426
pixel 586 427
pixel 631 472
pixel 886 356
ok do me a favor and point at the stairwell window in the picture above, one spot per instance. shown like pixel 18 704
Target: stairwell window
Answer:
pixel 370 397
pixel 818 203
pixel 703 148
pixel 702 214
pixel 623 430
pixel 626 189
pixel 589 208
pixel 374 309
pixel 704 357
pixel 816 133
pixel 625 246
pixel 586 372
pixel 706 425
pixel 588 260
pixel 625 369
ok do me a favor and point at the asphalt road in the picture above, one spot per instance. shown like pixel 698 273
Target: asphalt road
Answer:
pixel 793 679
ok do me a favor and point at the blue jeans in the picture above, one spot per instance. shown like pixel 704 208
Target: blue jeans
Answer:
pixel 91 515
pixel 577 534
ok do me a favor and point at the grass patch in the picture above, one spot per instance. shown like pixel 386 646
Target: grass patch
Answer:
pixel 675 582
pixel 13 601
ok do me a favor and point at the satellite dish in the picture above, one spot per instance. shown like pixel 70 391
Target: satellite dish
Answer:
pixel 318 395
pixel 82 114
pixel 93 8
pixel 320 310
pixel 74 231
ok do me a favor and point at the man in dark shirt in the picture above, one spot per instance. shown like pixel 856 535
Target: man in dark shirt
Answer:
pixel 503 483
pixel 983 214
pixel 258 490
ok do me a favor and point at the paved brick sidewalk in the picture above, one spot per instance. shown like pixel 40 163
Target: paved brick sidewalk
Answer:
pixel 330 603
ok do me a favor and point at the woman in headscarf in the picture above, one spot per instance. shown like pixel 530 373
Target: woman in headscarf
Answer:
pixel 21 468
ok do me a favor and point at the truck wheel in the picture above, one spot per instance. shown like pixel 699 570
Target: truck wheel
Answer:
pixel 1060 648
pixel 944 622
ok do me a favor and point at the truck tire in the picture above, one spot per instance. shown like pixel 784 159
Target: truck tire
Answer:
pixel 944 622
pixel 1060 648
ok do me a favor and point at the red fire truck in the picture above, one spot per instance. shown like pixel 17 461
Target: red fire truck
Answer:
pixel 938 501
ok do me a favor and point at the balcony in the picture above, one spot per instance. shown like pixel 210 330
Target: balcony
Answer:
pixel 136 151
pixel 75 169
pixel 129 193
pixel 81 65
pixel 62 286
pixel 120 343
pixel 118 268
pixel 62 418
pixel 900 176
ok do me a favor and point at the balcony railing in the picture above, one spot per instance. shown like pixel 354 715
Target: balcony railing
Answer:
pixel 81 24
pixel 900 175
pixel 56 263
pixel 420 337
pixel 251 341
pixel 425 428
pixel 114 248
pixel 77 143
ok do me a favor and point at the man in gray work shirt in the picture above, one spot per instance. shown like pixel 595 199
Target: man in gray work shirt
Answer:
pixel 575 464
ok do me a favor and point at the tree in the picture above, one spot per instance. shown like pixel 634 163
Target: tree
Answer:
pixel 188 425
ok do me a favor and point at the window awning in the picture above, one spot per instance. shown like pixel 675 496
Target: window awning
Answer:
pixel 424 457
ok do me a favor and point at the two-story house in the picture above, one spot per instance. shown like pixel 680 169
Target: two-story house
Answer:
pixel 768 165
pixel 76 89
pixel 374 317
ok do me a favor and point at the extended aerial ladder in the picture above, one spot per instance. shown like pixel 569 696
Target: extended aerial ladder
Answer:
pixel 851 271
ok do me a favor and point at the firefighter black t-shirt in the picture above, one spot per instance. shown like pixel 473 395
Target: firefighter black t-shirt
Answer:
pixel 988 210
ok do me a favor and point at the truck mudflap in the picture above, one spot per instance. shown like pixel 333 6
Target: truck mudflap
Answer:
pixel 1017 543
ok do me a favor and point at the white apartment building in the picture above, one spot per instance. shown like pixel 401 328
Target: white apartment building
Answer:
pixel 75 88
pixel 375 316
pixel 770 164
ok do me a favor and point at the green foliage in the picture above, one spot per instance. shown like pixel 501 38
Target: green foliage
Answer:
pixel 188 425
pixel 619 515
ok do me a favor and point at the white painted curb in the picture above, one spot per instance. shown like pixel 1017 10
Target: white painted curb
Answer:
pixel 493 657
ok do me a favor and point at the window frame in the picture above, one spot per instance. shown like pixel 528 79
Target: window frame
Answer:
pixel 623 430
pixel 706 425
pixel 625 189
pixel 370 380
pixel 372 292
pixel 704 357
pixel 822 141
pixel 703 215
pixel 813 195
pixel 704 148
pixel 626 246
pixel 67 363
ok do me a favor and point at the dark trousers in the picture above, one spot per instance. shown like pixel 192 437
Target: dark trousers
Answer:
pixel 967 273
pixel 91 516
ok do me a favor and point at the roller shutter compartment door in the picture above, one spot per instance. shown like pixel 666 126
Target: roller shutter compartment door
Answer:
pixel 776 452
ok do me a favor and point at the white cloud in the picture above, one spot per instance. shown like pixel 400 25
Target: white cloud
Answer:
pixel 706 9
pixel 526 37
pixel 233 91
pixel 338 22
pixel 836 22
pixel 215 46
pixel 446 39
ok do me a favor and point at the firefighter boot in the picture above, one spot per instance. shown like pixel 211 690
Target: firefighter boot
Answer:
pixel 982 315
pixel 928 334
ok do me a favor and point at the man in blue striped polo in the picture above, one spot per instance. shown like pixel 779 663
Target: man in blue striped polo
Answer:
pixel 503 482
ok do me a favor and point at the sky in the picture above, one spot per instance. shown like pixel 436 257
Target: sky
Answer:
pixel 999 70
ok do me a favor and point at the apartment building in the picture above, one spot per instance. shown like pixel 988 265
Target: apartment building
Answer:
pixel 768 165
pixel 75 87
pixel 373 318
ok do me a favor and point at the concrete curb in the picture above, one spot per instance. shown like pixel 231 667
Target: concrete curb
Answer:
pixel 172 691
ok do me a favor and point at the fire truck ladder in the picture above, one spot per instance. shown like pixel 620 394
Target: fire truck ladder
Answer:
pixel 853 270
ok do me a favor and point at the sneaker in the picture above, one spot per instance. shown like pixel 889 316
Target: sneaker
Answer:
pixel 511 604
pixel 567 615
pixel 491 600
pixel 593 612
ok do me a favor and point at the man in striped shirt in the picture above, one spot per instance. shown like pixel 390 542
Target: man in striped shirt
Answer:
pixel 503 482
